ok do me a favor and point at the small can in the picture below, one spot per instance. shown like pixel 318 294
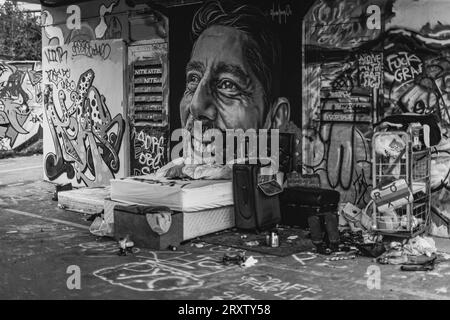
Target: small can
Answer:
pixel 274 241
pixel 268 240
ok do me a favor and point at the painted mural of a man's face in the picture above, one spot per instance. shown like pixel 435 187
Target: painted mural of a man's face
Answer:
pixel 232 75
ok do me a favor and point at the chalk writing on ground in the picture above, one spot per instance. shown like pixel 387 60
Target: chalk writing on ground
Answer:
pixel 182 272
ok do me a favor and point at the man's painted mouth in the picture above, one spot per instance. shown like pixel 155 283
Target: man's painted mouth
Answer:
pixel 203 147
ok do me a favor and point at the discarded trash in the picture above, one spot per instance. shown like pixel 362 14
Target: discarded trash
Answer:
pixel 239 259
pixel 172 248
pixel 198 245
pixel 13 231
pixel 444 256
pixel 339 258
pixel 428 267
pixel 252 243
pixel 100 228
pixel 373 250
pixel 244 236
pixel 249 262
pixel 441 290
pixel 421 245
pixel 292 237
pixel 125 246
pixel 268 241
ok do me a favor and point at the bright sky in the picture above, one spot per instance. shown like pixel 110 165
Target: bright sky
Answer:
pixel 26 6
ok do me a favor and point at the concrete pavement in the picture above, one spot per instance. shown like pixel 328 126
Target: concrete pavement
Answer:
pixel 43 249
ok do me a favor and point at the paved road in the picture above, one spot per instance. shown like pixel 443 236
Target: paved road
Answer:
pixel 42 246
pixel 20 170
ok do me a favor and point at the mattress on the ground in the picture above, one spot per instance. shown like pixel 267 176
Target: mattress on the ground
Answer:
pixel 200 223
pixel 84 200
pixel 178 195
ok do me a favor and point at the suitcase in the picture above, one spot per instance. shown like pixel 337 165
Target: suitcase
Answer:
pixel 148 227
pixel 312 207
pixel 254 210
pixel 311 200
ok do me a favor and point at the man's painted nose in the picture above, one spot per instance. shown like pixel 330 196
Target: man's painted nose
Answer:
pixel 202 104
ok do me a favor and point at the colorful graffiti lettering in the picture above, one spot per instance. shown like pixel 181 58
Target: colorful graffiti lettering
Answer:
pixel 86 138
pixel 20 98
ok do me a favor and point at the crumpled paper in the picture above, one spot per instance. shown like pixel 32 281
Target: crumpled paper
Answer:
pixel 250 262
pixel 420 245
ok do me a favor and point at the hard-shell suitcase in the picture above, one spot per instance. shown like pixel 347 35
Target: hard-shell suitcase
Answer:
pixel 254 210
pixel 313 207
pixel 311 200
pixel 148 227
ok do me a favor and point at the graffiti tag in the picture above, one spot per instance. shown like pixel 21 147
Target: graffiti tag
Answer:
pixel 91 50
pixel 149 150
pixel 370 70
pixel 280 14
pixel 61 78
pixel 405 66
pixel 58 55
pixel 280 289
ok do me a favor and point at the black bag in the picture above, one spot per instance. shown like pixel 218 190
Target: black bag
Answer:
pixel 254 209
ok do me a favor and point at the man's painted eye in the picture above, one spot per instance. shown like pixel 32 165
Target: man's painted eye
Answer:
pixel 228 86
pixel 192 81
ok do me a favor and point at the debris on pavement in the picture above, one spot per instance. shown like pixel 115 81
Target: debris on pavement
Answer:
pixel 249 262
pixel 125 246
pixel 441 290
pixel 238 259
pixel 252 243
pixel 100 228
pixel 339 258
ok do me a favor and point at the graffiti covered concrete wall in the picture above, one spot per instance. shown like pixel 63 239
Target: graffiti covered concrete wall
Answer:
pixel 102 20
pixel 84 123
pixel 87 116
pixel 365 60
pixel 20 103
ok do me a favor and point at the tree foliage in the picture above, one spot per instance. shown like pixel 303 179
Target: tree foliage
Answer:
pixel 20 33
